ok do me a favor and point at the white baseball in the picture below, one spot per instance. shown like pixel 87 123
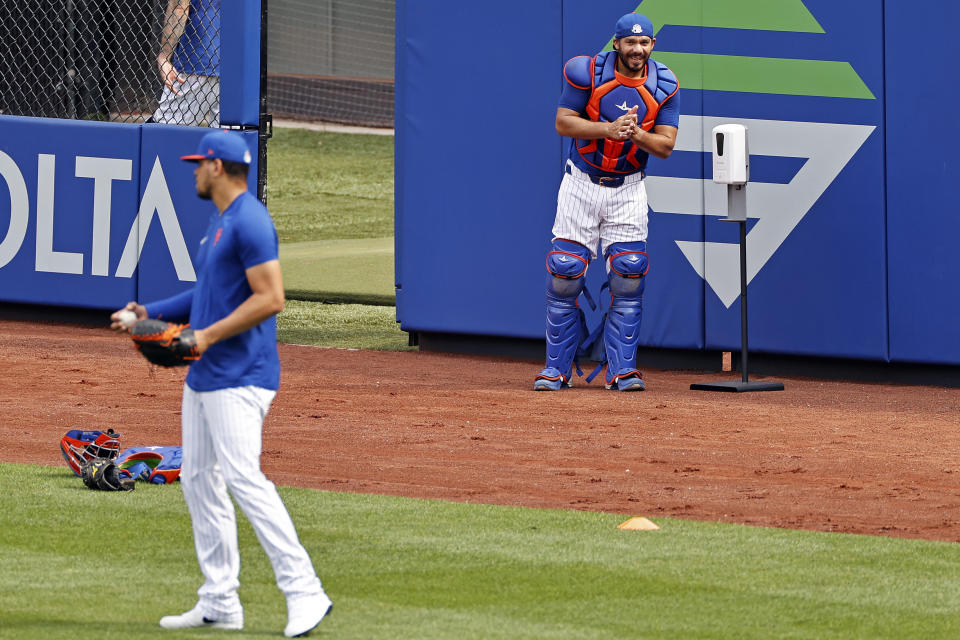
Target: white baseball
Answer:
pixel 126 317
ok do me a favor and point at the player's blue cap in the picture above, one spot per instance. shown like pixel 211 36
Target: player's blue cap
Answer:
pixel 633 24
pixel 222 144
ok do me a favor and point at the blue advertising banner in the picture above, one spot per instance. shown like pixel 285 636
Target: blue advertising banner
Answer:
pixel 803 77
pixel 96 214
pixel 810 120
pixel 68 193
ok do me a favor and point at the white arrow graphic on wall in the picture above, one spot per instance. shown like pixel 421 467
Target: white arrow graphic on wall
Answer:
pixel 778 208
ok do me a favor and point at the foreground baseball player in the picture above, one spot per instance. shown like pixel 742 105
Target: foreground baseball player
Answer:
pixel 618 107
pixel 227 394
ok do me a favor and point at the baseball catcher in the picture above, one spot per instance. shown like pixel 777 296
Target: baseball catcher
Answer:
pixel 105 475
pixel 164 343
pixel 618 108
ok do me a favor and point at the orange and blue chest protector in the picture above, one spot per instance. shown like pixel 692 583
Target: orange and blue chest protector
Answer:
pixel 595 89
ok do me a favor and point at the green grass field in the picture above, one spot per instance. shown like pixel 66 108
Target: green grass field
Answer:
pixel 342 270
pixel 331 197
pixel 349 326
pixel 76 563
pixel 326 186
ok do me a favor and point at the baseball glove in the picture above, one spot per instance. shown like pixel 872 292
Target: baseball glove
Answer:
pixel 165 344
pixel 103 474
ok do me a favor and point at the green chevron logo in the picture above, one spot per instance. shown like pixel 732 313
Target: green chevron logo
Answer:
pixel 823 78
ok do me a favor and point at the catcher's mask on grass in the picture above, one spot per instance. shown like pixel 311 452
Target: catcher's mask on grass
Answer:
pixel 80 446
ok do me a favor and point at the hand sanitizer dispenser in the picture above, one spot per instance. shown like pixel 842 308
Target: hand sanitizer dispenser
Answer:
pixel 731 166
pixel 731 156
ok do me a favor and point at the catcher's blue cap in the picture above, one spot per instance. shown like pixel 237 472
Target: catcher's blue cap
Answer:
pixel 223 144
pixel 633 24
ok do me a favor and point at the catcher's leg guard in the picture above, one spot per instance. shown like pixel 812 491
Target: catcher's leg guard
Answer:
pixel 566 266
pixel 628 266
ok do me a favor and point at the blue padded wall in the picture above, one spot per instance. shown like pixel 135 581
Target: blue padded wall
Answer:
pixel 816 245
pixel 240 66
pixel 922 167
pixel 477 163
pixel 850 219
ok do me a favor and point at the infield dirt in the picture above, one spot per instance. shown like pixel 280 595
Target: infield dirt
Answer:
pixel 827 456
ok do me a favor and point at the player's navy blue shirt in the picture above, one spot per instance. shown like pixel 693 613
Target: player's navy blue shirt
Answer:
pixel 198 52
pixel 240 238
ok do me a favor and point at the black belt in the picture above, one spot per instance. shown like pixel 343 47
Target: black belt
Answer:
pixel 603 181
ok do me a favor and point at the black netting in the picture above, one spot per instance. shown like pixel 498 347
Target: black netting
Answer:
pixel 98 59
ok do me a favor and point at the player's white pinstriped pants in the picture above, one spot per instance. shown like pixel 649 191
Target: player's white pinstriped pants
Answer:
pixel 588 212
pixel 222 442
pixel 198 103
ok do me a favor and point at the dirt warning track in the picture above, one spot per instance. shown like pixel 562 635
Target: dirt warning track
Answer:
pixel 827 456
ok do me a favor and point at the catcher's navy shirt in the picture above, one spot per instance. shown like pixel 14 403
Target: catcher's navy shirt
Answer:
pixel 240 238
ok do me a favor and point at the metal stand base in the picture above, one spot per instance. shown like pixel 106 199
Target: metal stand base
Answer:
pixel 737 212
pixel 737 386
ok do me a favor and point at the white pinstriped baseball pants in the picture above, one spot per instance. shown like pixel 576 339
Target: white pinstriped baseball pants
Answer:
pixel 588 212
pixel 222 442
pixel 197 105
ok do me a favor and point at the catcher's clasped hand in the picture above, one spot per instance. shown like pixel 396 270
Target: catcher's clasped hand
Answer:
pixel 624 127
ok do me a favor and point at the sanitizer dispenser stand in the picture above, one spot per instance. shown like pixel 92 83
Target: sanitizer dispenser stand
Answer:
pixel 731 166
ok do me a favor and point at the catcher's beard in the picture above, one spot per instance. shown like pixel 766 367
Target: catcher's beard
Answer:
pixel 625 61
pixel 204 192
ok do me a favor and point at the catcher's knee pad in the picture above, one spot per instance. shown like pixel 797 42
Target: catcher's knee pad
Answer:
pixel 566 327
pixel 566 266
pixel 628 265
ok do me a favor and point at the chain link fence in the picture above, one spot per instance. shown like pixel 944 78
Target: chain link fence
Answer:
pixel 332 60
pixel 110 60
